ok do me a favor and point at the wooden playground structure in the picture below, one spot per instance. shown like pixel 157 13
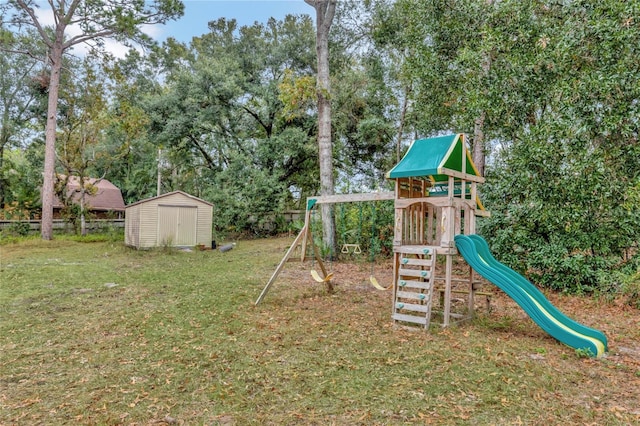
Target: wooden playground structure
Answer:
pixel 435 199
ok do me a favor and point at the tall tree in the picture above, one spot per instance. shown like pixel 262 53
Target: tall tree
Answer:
pixel 96 21
pixel 223 126
pixel 325 11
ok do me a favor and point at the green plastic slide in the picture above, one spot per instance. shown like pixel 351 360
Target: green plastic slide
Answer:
pixel 475 251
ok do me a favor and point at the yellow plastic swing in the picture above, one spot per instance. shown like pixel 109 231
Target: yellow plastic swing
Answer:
pixel 374 282
pixel 316 276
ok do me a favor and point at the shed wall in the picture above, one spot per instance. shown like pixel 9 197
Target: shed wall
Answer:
pixel 148 224
pixel 132 226
pixel 204 225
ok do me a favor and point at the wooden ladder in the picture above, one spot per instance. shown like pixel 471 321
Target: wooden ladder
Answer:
pixel 413 290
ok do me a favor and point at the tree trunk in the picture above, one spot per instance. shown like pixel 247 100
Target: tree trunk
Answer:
pixel 478 143
pixel 159 178
pixel 4 137
pixel 403 116
pixel 478 149
pixel 325 11
pixel 50 141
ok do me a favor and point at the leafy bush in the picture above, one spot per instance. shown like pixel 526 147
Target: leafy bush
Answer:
pixel 631 289
pixel 20 228
pixel 561 212
pixel 370 225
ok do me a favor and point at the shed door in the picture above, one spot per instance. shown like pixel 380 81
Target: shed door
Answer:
pixel 177 225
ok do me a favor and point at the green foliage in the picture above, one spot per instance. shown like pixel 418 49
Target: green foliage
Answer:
pixel 21 180
pixel 130 80
pixel 558 84
pixel 20 228
pixel 18 97
pixel 368 94
pixel 230 118
pixel 629 279
pixel 245 200
pixel 370 225
pixel 297 94
pixel 225 132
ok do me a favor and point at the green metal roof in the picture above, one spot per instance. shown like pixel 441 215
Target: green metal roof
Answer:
pixel 430 157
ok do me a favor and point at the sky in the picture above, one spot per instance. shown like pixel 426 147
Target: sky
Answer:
pixel 197 13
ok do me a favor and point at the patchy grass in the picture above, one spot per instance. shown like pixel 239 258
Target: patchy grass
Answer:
pixel 95 333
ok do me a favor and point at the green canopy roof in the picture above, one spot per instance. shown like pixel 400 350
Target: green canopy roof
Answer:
pixel 435 158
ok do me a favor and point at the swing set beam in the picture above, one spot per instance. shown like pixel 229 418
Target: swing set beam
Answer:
pixel 350 198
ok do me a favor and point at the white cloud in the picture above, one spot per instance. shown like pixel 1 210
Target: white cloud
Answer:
pixel 46 18
pixel 154 31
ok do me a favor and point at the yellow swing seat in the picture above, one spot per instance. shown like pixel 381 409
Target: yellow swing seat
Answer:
pixel 316 276
pixel 376 284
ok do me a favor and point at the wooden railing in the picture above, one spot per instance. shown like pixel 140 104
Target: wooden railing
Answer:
pixel 34 225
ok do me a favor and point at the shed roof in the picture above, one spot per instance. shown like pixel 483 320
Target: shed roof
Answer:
pixel 168 194
pixel 108 197
pixel 435 158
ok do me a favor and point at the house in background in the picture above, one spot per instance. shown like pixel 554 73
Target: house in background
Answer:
pixel 104 202
pixel 175 219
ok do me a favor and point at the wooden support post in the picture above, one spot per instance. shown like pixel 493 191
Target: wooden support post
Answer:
pixel 398 224
pixel 316 255
pixel 396 268
pixel 281 265
pixel 472 294
pixel 468 214
pixel 472 219
pixel 447 291
pixel 448 221
pixel 306 235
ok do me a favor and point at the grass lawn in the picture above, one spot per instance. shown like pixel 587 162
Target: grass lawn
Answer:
pixel 96 333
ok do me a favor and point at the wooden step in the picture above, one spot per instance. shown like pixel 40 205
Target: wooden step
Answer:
pixel 422 285
pixel 423 250
pixel 412 307
pixel 407 261
pixel 413 295
pixel 410 318
pixel 418 273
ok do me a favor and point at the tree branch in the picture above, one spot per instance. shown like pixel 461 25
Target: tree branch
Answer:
pixel 86 37
pixel 22 52
pixel 204 153
pixel 265 126
pixel 34 21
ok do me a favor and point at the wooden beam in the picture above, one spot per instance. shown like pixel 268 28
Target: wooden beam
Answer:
pixel 457 174
pixel 403 203
pixel 353 198
pixel 281 265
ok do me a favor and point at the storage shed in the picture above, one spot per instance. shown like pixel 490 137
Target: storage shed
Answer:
pixel 175 219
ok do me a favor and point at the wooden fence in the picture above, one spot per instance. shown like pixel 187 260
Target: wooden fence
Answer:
pixel 95 225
